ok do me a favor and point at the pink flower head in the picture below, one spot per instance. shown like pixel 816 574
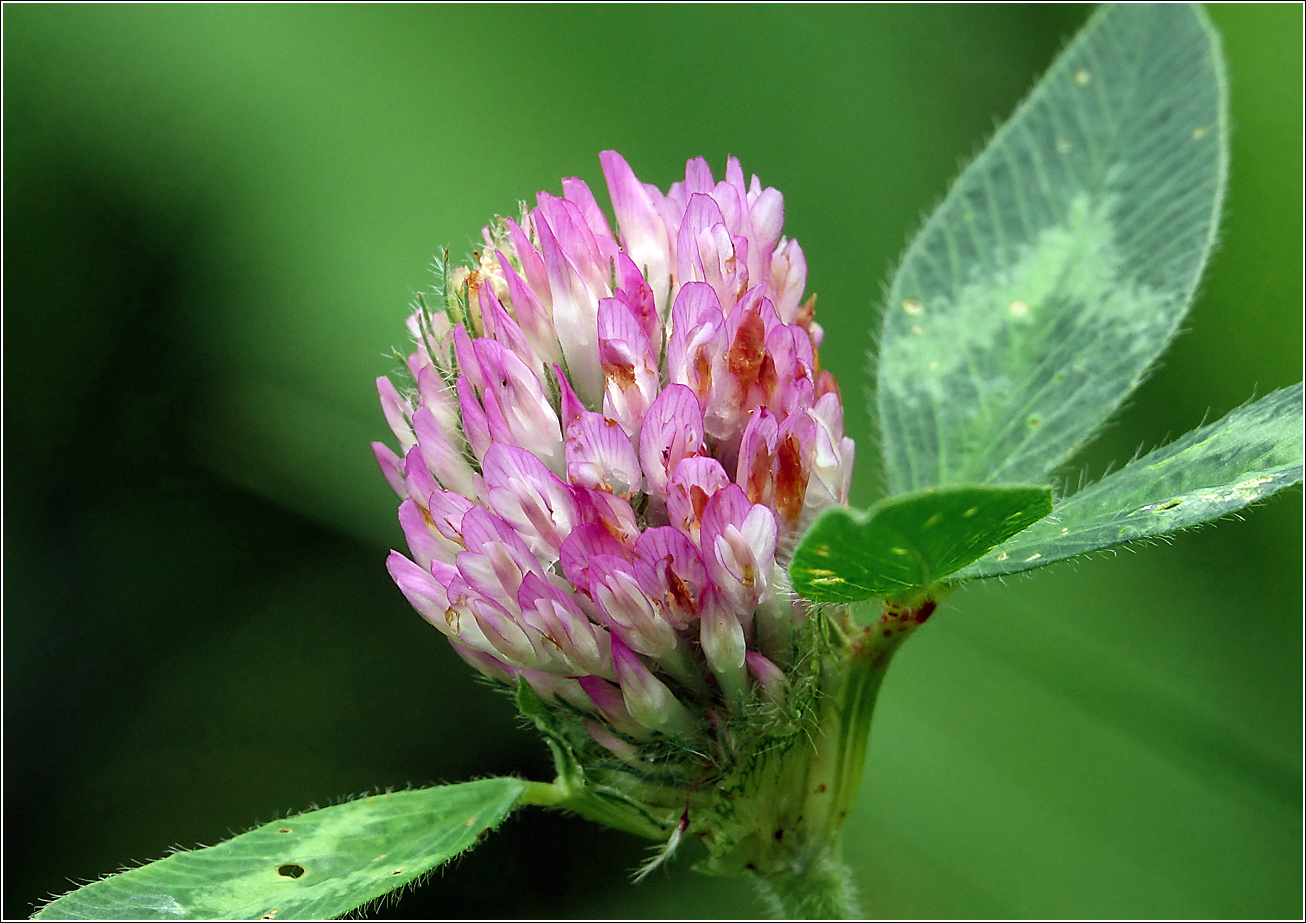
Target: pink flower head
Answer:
pixel 612 440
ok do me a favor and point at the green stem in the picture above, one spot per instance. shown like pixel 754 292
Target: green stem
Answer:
pixel 824 892
pixel 817 885
pixel 853 681
pixel 547 794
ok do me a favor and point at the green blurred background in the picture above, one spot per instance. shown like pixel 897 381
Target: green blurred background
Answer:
pixel 214 219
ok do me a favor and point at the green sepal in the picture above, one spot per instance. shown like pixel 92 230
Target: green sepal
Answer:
pixel 577 791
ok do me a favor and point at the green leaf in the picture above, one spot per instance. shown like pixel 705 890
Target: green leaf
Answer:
pixel 315 865
pixel 904 545
pixel 1208 473
pixel 1057 269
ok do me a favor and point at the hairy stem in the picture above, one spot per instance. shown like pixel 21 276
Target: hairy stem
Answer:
pixel 825 891
pixel 818 885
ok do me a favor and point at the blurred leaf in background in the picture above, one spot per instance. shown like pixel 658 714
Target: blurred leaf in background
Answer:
pixel 214 218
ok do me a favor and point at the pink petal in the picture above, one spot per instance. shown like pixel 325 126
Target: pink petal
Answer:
pixel 738 541
pixel 500 326
pixel 724 647
pixel 636 293
pixel 423 592
pixel 583 646
pixel 706 252
pixel 574 317
pixel 582 546
pixel 486 664
pixel 535 318
pixel 532 265
pixel 610 512
pixel 425 544
pixel 647 698
pixel 735 177
pixel 418 480
pixel 694 352
pixel 673 430
pixel 530 498
pixel 572 408
pixel 397 413
pixel 643 231
pixel 627 610
pixel 608 699
pixel 770 677
pixel 767 212
pixel 788 279
pixel 391 467
pixel 611 742
pixel 517 410
pixel 437 396
pixel 629 365
pixel 442 456
pixel 698 177
pixel 600 456
pixel 504 635
pixel 578 193
pixel 496 558
pixel 695 480
pixel 476 426
pixel 671 571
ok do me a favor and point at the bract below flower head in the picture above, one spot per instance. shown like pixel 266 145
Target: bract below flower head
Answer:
pixel 611 439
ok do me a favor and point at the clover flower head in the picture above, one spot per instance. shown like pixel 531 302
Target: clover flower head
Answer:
pixel 610 440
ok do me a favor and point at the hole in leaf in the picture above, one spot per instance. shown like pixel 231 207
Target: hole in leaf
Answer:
pixel 270 915
pixel 290 870
pixel 283 830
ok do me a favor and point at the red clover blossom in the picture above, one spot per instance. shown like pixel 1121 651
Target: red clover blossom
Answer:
pixel 613 442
